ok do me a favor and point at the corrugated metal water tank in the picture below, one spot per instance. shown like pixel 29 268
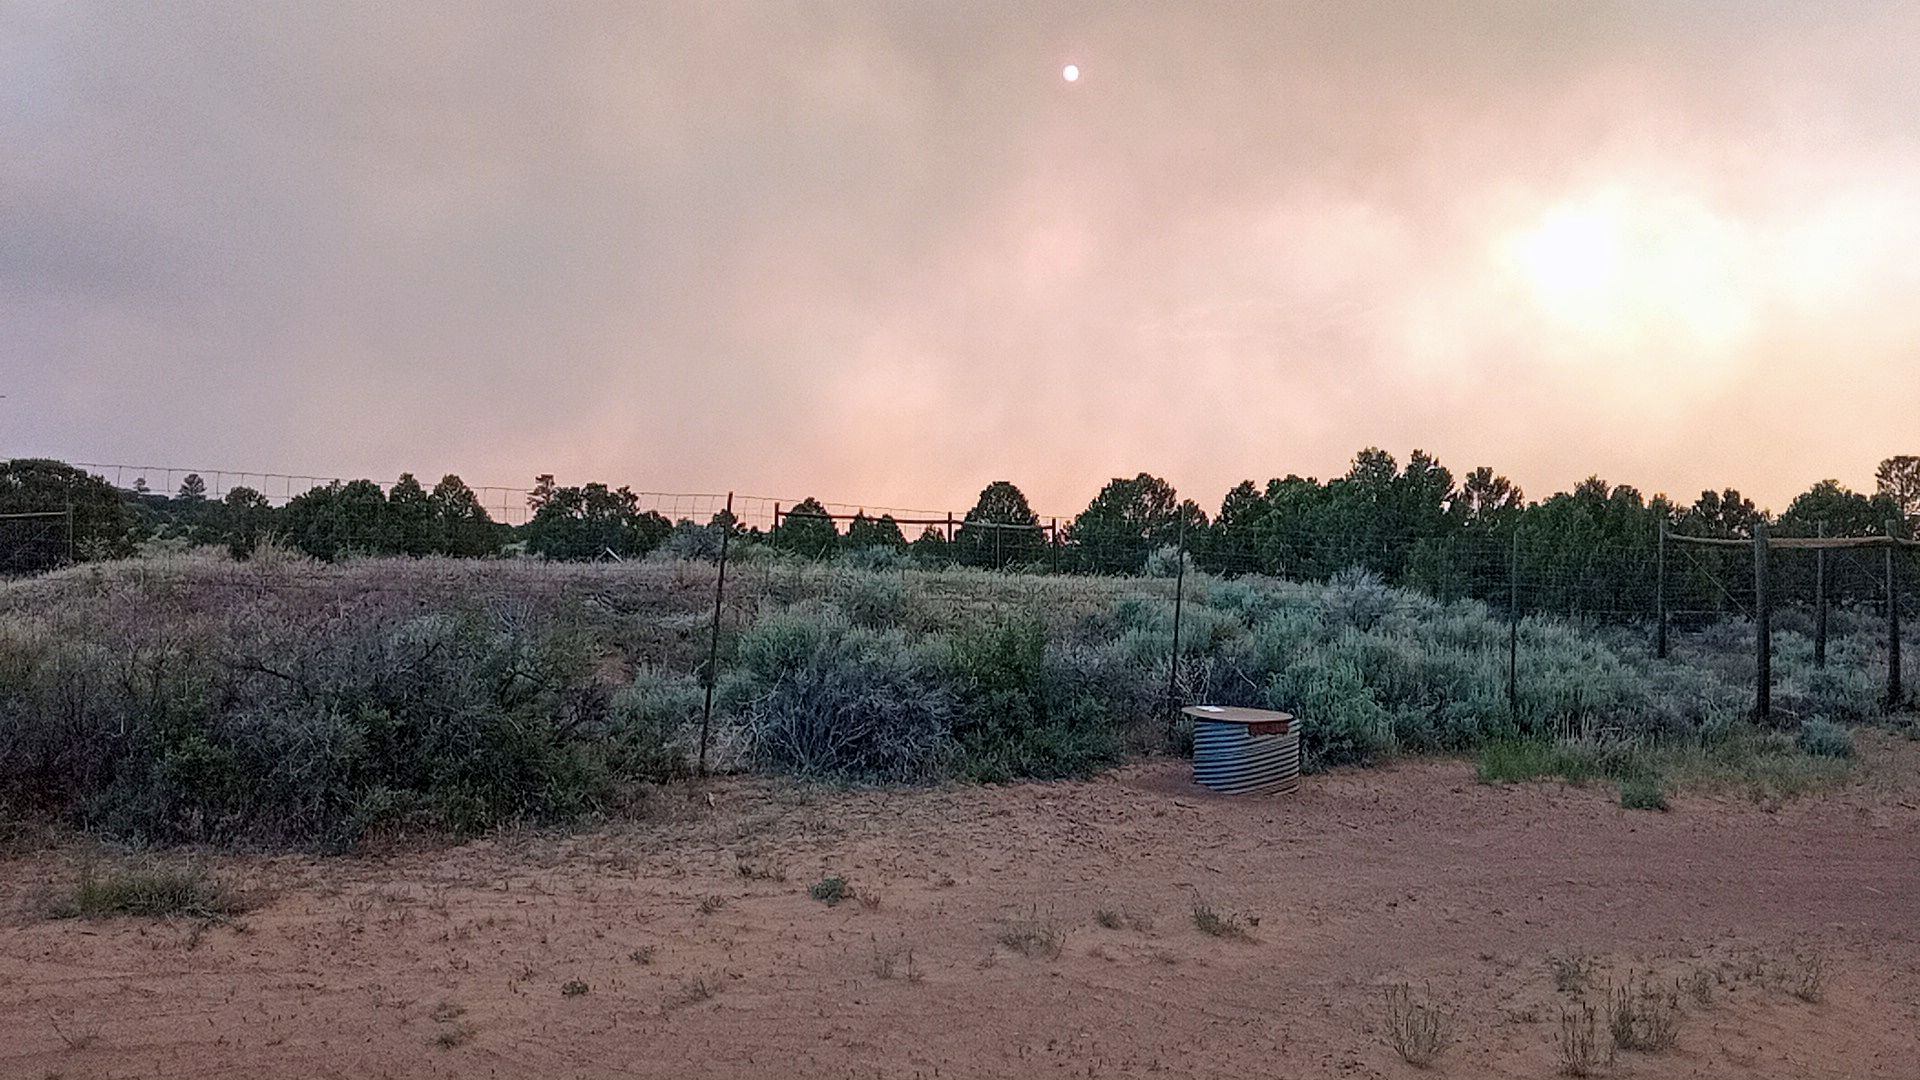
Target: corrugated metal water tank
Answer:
pixel 1239 751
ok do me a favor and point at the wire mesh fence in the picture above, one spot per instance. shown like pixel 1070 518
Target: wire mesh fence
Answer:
pixel 1653 583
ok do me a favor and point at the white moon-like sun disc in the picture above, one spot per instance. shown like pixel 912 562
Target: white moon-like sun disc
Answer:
pixel 1071 73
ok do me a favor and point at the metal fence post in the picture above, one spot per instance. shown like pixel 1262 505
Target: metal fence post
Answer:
pixel 713 642
pixel 1820 601
pixel 1173 660
pixel 1762 628
pixel 1513 630
pixel 1894 694
pixel 1660 593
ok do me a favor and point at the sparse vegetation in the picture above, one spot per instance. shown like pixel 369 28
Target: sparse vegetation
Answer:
pixel 831 891
pixel 145 890
pixel 1416 1028
pixel 695 989
pixel 1581 1051
pixel 1122 919
pixel 1035 935
pixel 573 988
pixel 1807 977
pixel 897 962
pixel 1642 1016
pixel 1213 922
pixel 1570 973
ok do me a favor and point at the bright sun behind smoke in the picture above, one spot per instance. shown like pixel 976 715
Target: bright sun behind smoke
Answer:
pixel 1071 73
pixel 1656 275
pixel 1573 253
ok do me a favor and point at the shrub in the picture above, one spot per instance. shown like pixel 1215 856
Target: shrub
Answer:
pixel 831 891
pixel 820 697
pixel 1823 738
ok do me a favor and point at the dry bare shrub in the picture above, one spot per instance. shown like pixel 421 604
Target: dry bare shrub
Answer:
pixel 1642 1016
pixel 1807 977
pixel 1035 935
pixel 1416 1028
pixel 896 962
pixel 1581 1052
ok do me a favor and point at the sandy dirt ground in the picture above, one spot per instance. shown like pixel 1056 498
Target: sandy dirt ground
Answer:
pixel 687 945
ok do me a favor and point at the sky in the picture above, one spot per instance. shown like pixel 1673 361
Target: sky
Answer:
pixel 883 253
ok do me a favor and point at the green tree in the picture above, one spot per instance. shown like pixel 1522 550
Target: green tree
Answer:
pixel 866 532
pixel 410 526
pixel 461 526
pixel 1233 540
pixel 1488 503
pixel 1000 530
pixel 591 522
pixel 105 523
pixel 193 489
pixel 807 530
pixel 246 518
pixel 1843 512
pixel 1127 520
pixel 1898 481
pixel 337 519
pixel 1725 515
pixel 931 546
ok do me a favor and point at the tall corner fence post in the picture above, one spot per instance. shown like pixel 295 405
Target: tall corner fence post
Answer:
pixel 1173 657
pixel 1513 629
pixel 1762 628
pixel 1895 695
pixel 713 641
pixel 1820 600
pixel 1660 593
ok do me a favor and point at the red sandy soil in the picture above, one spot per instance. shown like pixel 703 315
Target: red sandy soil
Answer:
pixel 702 954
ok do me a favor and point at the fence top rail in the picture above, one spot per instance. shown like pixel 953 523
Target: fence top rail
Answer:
pixel 35 514
pixel 1815 542
pixel 960 521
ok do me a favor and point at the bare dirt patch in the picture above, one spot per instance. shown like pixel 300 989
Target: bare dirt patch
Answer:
pixel 1784 940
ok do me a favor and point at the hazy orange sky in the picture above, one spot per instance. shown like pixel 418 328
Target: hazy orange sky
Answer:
pixel 884 253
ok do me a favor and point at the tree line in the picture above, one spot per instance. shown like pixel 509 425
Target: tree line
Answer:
pixel 1588 549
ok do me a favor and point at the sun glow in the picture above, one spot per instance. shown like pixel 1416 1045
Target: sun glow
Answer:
pixel 1634 270
pixel 1573 255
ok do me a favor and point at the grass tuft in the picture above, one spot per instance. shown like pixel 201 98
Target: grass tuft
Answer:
pixel 1641 1016
pixel 1581 1052
pixel 1035 935
pixel 1213 922
pixel 1642 793
pixel 150 891
pixel 1417 1029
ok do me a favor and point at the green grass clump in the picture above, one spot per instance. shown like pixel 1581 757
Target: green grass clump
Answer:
pixel 1509 761
pixel 831 891
pixel 146 891
pixel 1642 793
